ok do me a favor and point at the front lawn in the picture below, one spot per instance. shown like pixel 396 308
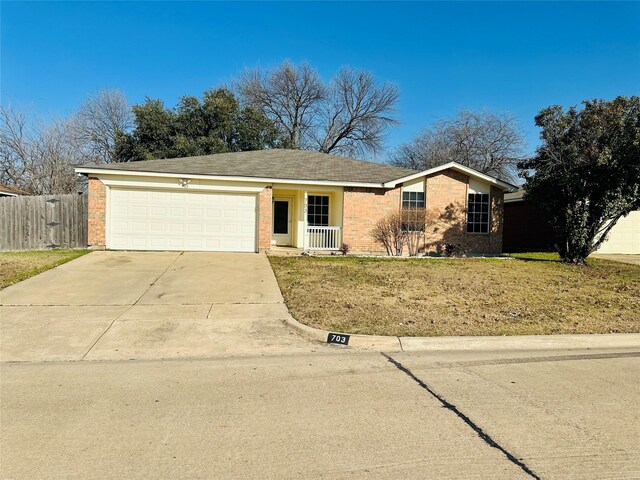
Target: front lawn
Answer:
pixel 17 266
pixel 522 295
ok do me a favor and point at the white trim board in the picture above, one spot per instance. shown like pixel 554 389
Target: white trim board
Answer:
pixel 454 166
pixel 102 172
pixel 229 178
pixel 172 183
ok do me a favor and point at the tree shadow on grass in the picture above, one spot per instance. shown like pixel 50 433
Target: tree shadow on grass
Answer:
pixel 535 256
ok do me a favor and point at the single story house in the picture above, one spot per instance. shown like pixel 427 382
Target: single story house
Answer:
pixel 251 201
pixel 6 191
pixel 527 229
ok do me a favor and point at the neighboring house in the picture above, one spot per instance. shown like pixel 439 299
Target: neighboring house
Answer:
pixel 624 237
pixel 526 229
pixel 251 201
pixel 6 191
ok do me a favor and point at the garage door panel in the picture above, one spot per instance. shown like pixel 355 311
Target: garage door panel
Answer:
pixel 158 211
pixel 213 244
pixel 624 237
pixel 140 227
pixel 195 212
pixel 158 195
pixel 138 195
pixel 153 220
pixel 139 211
pixel 160 243
pixel 195 228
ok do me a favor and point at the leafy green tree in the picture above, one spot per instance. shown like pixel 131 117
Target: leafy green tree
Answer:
pixel 214 124
pixel 152 135
pixel 586 173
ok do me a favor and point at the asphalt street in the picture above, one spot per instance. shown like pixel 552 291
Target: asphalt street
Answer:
pixel 332 414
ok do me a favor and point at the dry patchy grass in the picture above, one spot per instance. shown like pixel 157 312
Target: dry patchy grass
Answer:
pixel 17 266
pixel 529 294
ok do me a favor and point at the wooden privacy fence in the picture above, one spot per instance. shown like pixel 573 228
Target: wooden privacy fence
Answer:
pixel 42 222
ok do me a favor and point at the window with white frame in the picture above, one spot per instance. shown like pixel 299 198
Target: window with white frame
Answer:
pixel 413 215
pixel 318 210
pixel 412 200
pixel 478 213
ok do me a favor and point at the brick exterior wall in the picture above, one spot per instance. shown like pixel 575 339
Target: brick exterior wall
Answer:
pixel 264 218
pixel 446 197
pixel 97 211
pixel 446 200
pixel 363 207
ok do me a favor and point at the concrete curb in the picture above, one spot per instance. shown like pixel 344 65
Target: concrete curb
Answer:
pixel 523 342
pixel 516 342
pixel 363 342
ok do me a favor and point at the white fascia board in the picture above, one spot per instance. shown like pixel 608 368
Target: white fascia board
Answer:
pixel 8 194
pixel 297 186
pixel 150 182
pixel 99 172
pixel 454 166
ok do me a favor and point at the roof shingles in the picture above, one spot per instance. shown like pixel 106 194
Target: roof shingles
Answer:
pixel 276 164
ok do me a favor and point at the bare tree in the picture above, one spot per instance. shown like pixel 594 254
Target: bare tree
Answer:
pixel 16 139
pixel 491 143
pixel 357 114
pixel 349 115
pixel 416 222
pixel 36 157
pixel 101 118
pixel 289 95
pixel 390 232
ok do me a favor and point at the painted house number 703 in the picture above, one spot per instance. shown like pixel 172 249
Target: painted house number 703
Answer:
pixel 338 338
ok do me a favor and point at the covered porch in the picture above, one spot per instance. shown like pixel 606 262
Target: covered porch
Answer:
pixel 307 218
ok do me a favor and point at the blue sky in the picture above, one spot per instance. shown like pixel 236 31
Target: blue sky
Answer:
pixel 506 57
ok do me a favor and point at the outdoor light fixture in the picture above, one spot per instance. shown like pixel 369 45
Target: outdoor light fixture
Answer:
pixel 184 182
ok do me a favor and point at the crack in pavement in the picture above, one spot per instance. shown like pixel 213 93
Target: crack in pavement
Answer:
pixel 449 406
pixel 131 306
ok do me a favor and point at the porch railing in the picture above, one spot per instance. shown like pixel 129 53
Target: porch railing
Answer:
pixel 323 238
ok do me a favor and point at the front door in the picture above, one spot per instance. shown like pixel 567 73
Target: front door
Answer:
pixel 282 221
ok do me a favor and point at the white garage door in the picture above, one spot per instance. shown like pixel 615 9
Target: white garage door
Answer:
pixel 624 237
pixel 181 220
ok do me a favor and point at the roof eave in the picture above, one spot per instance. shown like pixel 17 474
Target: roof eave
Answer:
pixel 454 166
pixel 231 178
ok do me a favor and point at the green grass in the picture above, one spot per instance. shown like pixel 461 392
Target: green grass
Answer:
pixel 18 266
pixel 523 294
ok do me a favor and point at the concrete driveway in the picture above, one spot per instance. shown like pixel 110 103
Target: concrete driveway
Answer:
pixel 144 305
pixel 617 257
